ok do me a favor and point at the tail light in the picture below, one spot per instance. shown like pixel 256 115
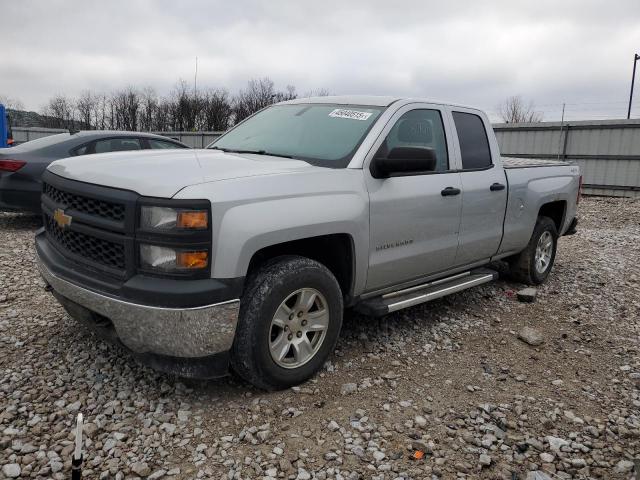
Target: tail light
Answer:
pixel 11 165
pixel 579 190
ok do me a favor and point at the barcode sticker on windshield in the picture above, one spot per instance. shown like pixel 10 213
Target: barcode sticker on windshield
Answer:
pixel 352 114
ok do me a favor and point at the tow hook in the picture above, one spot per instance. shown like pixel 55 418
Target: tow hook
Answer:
pixel 48 288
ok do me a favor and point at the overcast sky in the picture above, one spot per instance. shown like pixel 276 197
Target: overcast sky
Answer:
pixel 473 52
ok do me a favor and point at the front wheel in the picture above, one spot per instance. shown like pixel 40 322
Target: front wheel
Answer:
pixel 533 265
pixel 289 322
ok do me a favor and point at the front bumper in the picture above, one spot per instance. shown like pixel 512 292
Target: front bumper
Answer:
pixel 157 334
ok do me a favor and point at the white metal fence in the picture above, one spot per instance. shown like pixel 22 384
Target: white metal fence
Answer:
pixel 607 151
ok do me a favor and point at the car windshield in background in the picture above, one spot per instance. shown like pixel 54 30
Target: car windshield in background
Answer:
pixel 325 135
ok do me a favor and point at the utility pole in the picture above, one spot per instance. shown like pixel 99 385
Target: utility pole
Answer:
pixel 636 57
pixel 561 125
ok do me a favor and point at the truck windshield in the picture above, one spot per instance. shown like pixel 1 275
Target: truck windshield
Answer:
pixel 320 134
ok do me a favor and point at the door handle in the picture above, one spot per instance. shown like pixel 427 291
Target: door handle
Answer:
pixel 496 186
pixel 450 191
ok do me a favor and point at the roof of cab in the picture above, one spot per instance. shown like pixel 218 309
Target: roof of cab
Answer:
pixel 369 100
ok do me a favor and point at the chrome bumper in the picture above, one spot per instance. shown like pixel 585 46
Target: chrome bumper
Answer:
pixel 177 332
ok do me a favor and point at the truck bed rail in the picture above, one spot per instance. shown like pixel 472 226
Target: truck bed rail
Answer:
pixel 515 162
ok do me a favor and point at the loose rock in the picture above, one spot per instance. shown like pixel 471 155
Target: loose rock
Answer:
pixel 531 336
pixel 527 295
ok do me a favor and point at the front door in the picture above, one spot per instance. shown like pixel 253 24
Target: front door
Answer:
pixel 484 187
pixel 414 219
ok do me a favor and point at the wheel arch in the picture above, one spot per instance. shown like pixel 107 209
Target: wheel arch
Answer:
pixel 335 251
pixel 556 211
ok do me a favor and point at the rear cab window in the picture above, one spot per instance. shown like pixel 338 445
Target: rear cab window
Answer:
pixel 473 140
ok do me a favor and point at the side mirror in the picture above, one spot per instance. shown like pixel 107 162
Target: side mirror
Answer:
pixel 404 160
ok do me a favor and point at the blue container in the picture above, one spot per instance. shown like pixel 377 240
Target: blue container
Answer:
pixel 4 128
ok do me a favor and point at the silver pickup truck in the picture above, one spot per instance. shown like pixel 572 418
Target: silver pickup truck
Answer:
pixel 245 254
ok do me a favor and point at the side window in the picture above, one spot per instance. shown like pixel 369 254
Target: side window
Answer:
pixel 474 144
pixel 82 150
pixel 420 128
pixel 159 144
pixel 117 145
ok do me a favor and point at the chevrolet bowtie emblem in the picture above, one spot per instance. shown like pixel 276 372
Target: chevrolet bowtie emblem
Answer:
pixel 62 219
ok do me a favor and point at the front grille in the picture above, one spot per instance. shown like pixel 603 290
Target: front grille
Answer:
pixel 100 208
pixel 98 250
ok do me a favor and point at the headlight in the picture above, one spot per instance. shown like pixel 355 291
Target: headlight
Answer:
pixel 164 218
pixel 167 259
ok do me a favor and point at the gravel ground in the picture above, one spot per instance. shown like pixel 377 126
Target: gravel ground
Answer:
pixel 451 380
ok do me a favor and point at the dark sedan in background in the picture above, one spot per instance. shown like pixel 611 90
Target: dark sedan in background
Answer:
pixel 22 166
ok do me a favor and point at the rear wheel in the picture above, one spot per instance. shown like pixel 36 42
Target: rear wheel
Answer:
pixel 533 265
pixel 290 319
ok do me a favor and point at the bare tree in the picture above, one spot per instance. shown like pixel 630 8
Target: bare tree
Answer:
pixel 317 92
pixel 11 103
pixel 288 94
pixel 217 110
pixel 514 110
pixel 85 105
pixel 163 120
pixel 60 112
pixel 183 110
pixel 259 93
pixel 126 108
pixel 100 108
pixel 185 107
pixel 149 109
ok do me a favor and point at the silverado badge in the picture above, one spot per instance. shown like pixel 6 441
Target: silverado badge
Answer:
pixel 62 219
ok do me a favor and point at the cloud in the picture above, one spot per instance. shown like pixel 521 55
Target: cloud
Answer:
pixel 471 52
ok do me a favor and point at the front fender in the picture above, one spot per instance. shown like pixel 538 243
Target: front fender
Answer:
pixel 241 227
pixel 245 229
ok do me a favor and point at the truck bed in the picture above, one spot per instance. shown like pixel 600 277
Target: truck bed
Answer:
pixel 515 162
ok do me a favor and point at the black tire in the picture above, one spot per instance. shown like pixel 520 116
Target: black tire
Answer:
pixel 522 267
pixel 266 290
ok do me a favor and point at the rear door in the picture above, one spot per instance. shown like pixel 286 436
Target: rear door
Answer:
pixel 484 188
pixel 413 225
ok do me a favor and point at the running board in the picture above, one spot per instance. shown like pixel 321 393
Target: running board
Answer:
pixel 408 297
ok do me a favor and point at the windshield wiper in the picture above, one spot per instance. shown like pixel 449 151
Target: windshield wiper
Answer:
pixel 256 152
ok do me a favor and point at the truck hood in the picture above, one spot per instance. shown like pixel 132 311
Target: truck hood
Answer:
pixel 162 173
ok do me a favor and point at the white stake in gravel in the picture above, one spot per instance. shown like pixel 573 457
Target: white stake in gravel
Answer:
pixel 76 461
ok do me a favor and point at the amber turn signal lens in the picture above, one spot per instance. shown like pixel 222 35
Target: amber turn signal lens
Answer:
pixel 192 259
pixel 196 219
